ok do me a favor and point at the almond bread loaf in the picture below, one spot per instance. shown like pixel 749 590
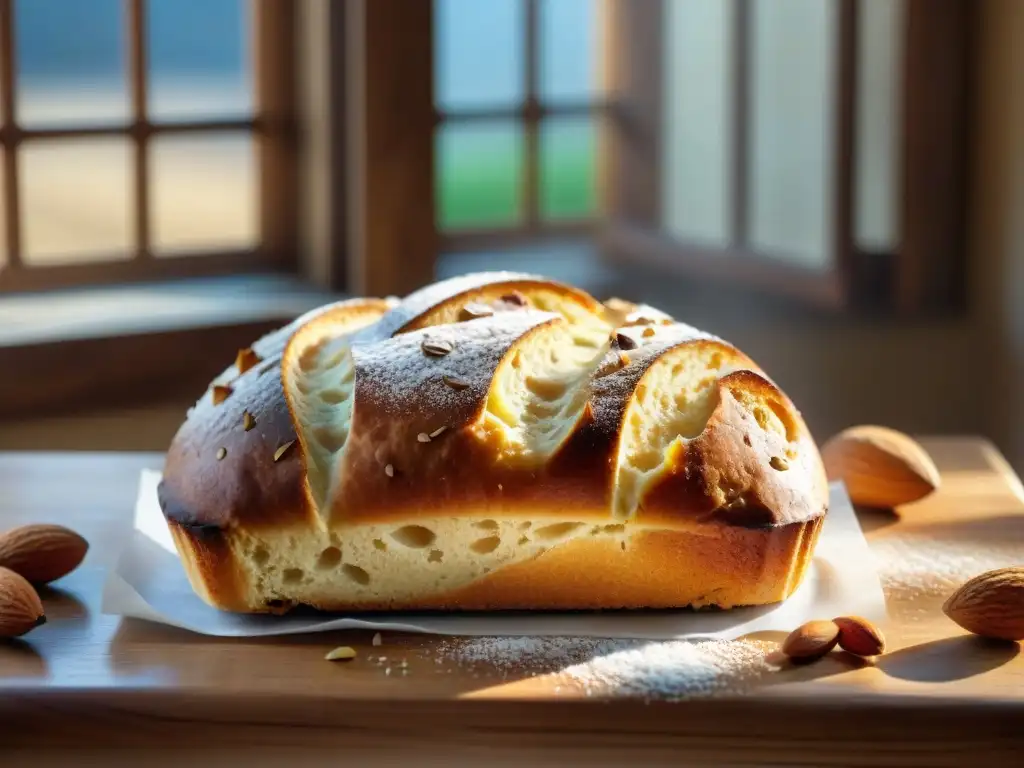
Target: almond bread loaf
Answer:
pixel 494 441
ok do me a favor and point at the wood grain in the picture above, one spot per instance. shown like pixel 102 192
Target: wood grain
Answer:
pixel 937 697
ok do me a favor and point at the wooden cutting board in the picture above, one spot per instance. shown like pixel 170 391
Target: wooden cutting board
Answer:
pixel 937 697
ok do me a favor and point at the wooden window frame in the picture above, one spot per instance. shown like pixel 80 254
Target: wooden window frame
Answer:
pixel 272 128
pixel 923 274
pixel 354 164
pixel 529 114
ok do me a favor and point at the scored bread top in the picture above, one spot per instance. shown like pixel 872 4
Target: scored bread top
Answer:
pixel 222 465
pixel 496 395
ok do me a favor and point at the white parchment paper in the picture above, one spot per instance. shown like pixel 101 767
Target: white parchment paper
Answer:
pixel 149 583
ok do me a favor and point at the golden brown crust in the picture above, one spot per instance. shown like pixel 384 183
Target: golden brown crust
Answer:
pixel 726 472
pixel 247 485
pixel 740 501
pixel 739 473
pixel 217 472
pixel 210 565
pixel 433 304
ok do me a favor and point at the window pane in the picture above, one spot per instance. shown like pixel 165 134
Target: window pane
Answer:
pixel 479 48
pixel 880 37
pixel 204 192
pixel 699 52
pixel 70 61
pixel 792 127
pixel 199 59
pixel 76 200
pixel 567 168
pixel 569 35
pixel 479 174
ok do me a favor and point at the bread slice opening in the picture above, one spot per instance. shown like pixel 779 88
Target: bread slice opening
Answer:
pixel 540 390
pixel 322 399
pixel 671 404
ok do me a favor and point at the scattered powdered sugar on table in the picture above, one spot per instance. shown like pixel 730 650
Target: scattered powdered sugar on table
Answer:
pixel 662 670
pixel 674 669
pixel 543 654
pixel 924 566
pixel 918 571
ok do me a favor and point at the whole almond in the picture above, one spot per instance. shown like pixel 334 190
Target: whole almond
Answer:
pixel 859 636
pixel 42 553
pixel 880 466
pixel 991 604
pixel 20 607
pixel 811 641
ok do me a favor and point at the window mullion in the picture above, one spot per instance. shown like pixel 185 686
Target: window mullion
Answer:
pixel 137 77
pixel 741 95
pixel 531 127
pixel 8 119
pixel 845 101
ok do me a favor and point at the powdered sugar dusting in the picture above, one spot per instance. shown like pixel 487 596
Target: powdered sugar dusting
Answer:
pixel 426 298
pixel 389 371
pixel 674 670
pixel 637 668
pixel 542 655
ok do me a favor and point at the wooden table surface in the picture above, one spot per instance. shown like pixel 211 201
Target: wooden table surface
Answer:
pixel 90 681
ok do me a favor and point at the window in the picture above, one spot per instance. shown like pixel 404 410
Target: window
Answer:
pixel 519 107
pixel 810 147
pixel 815 148
pixel 145 138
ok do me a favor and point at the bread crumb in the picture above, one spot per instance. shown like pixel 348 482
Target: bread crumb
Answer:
pixel 377 640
